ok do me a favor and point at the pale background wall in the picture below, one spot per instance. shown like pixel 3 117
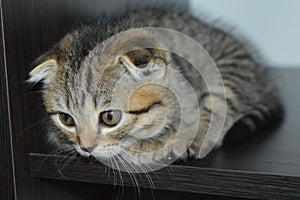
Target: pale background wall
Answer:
pixel 273 26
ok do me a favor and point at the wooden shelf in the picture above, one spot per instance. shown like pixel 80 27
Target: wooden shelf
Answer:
pixel 266 167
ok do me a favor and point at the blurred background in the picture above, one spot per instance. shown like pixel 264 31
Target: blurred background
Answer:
pixel 272 26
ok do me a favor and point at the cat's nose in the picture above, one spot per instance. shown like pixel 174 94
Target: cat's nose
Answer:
pixel 88 149
pixel 87 141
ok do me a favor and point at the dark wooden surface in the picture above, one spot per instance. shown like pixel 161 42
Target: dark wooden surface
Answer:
pixel 274 151
pixel 265 167
pixel 85 191
pixel 7 186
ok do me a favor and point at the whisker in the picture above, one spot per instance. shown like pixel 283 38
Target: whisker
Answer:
pixel 65 164
pixel 153 171
pixel 131 175
pixel 34 124
pixel 61 163
pixel 26 94
pixel 120 174
pixel 127 157
pixel 52 153
pixel 141 166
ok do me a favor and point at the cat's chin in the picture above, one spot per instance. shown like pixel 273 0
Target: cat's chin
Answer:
pixel 100 152
pixel 81 152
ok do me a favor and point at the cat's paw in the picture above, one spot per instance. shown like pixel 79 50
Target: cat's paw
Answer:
pixel 187 156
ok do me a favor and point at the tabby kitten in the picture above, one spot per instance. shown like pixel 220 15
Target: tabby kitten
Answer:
pixel 80 79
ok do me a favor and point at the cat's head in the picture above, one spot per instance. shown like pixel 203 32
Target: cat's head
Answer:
pixel 104 102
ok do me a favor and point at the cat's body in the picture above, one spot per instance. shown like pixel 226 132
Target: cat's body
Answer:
pixel 69 72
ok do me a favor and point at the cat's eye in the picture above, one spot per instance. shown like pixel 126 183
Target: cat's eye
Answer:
pixel 66 119
pixel 110 118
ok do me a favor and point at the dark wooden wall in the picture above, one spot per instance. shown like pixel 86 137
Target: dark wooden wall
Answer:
pixel 29 28
pixel 7 185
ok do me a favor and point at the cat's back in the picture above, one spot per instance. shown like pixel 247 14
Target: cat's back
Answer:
pixel 248 85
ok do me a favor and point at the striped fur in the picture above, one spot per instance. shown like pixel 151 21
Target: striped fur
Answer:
pixel 73 86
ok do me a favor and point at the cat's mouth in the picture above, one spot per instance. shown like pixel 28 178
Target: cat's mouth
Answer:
pixel 100 152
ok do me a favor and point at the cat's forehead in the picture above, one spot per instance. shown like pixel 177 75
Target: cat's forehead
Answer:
pixel 90 86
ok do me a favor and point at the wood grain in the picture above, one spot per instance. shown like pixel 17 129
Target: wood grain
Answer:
pixel 7 186
pixel 62 190
pixel 176 178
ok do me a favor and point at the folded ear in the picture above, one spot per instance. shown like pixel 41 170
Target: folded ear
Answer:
pixel 47 64
pixel 43 71
pixel 148 62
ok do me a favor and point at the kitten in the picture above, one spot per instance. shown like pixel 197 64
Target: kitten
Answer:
pixel 79 102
